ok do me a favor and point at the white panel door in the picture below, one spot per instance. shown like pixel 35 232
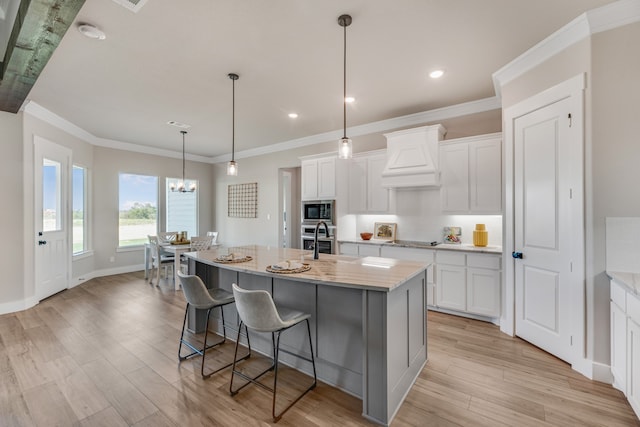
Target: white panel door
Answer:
pixel 327 178
pixel 543 228
pixel 52 165
pixel 309 179
pixel 358 185
pixel 378 196
pixel 454 175
pixel 451 287
pixel 633 361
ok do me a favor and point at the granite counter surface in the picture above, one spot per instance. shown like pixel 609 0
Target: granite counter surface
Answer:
pixel 631 281
pixel 373 273
pixel 426 245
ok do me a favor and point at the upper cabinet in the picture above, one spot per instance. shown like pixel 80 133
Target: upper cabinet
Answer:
pixel 366 193
pixel 471 175
pixel 319 178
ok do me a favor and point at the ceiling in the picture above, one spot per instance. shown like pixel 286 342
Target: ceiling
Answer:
pixel 170 61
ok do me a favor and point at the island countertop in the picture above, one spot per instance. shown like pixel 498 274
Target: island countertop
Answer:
pixel 372 273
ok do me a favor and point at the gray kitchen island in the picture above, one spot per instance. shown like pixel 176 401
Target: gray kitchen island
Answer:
pixel 368 317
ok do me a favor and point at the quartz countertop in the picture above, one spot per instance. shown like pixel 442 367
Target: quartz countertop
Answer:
pixel 425 245
pixel 629 280
pixel 372 273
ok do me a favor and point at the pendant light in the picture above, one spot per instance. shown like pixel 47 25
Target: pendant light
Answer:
pixel 182 185
pixel 345 150
pixel 232 166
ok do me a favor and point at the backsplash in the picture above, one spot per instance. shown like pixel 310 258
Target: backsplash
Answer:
pixel 419 218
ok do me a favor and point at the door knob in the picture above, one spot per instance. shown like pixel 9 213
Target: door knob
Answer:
pixel 516 255
pixel 42 242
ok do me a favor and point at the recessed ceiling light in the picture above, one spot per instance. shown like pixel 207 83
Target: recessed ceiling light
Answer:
pixel 349 99
pixel 178 124
pixel 91 31
pixel 293 115
pixel 436 74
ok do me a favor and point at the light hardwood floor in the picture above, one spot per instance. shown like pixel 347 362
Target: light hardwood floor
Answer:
pixel 105 354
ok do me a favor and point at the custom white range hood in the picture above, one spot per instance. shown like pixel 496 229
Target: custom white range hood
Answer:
pixel 412 158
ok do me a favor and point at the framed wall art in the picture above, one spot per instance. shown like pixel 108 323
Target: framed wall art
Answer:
pixel 243 200
pixel 384 231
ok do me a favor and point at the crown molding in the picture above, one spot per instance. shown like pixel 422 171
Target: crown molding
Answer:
pixel 488 104
pixel 458 110
pixel 36 110
pixel 601 19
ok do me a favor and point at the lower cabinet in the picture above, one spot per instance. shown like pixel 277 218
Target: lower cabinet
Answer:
pixel 470 283
pixel 625 343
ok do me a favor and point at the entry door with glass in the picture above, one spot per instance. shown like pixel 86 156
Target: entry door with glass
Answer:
pixel 52 255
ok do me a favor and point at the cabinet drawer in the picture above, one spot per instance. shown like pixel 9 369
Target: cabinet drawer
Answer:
pixel 450 257
pixel 408 254
pixel 618 295
pixel 633 308
pixel 483 261
pixel 368 250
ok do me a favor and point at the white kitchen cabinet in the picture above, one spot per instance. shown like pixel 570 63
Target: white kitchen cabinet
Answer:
pixel 471 175
pixel 359 250
pixel 347 248
pixel 618 325
pixel 366 193
pixel 625 343
pixel 368 250
pixel 633 352
pixel 318 178
pixel 469 283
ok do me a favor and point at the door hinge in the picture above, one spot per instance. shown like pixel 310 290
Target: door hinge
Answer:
pixel 570 121
pixel 571 339
pixel 571 267
pixel 571 193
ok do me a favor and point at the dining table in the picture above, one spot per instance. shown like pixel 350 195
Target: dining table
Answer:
pixel 176 249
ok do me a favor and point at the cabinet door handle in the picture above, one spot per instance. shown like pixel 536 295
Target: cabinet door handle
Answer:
pixel 516 255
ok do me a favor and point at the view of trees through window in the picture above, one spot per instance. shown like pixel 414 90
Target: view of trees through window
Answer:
pixel 138 207
pixel 78 185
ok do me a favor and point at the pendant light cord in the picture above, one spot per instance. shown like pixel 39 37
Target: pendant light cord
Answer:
pixel 233 119
pixel 183 132
pixel 344 75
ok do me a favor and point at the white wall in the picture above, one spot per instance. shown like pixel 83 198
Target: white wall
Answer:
pixel 12 216
pixel 615 160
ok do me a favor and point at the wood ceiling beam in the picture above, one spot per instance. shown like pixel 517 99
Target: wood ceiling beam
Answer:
pixel 37 32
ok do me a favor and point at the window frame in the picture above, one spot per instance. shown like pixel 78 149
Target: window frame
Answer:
pixel 86 217
pixel 168 191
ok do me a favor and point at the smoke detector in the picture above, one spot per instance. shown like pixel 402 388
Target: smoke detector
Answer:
pixel 132 5
pixel 178 124
pixel 91 31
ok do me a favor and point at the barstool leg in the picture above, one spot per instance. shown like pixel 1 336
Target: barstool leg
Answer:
pixel 313 359
pixel 276 352
pixel 184 323
pixel 204 345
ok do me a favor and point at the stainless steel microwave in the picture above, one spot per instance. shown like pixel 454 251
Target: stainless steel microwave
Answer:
pixel 318 210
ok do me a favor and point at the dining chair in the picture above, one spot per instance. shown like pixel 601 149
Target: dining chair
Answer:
pixel 201 298
pixel 258 312
pixel 201 243
pixel 167 236
pixel 159 260
pixel 213 234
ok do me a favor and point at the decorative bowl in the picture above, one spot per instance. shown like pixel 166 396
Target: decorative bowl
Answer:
pixel 366 236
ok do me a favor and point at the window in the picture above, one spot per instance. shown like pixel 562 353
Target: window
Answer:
pixel 182 208
pixel 138 209
pixel 51 195
pixel 80 228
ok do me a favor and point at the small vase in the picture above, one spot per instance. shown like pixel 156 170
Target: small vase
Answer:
pixel 480 236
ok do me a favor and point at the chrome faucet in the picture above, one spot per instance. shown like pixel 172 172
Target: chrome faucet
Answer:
pixel 316 253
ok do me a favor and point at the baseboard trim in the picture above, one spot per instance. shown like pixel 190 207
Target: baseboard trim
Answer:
pixel 24 304
pixel 595 371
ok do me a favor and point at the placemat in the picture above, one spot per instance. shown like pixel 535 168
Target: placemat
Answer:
pixel 305 267
pixel 235 260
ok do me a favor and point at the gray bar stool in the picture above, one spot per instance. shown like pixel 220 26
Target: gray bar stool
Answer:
pixel 258 312
pixel 199 297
